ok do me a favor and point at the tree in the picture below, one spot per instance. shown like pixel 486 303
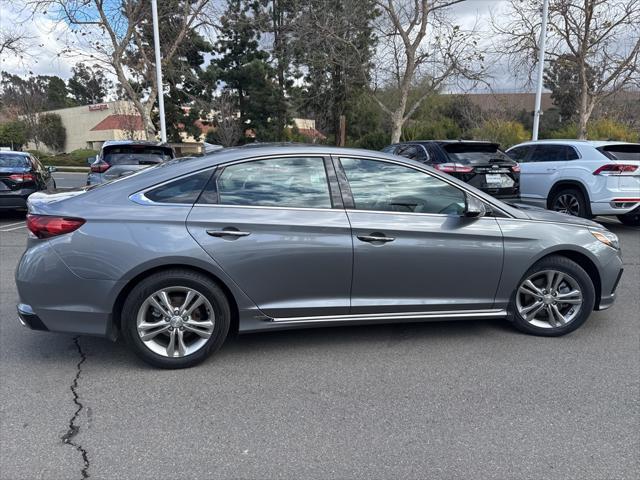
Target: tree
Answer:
pixel 601 39
pixel 51 131
pixel 115 32
pixel 421 50
pixel 243 69
pixel 334 43
pixel 88 85
pixel 13 134
pixel 228 130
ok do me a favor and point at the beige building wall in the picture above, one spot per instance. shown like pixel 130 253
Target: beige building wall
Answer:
pixel 78 121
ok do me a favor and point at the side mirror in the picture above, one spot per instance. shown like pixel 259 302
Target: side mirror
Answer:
pixel 51 169
pixel 474 208
pixel 90 160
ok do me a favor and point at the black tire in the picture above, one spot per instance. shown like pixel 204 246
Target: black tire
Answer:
pixel 564 197
pixel 631 220
pixel 174 278
pixel 571 268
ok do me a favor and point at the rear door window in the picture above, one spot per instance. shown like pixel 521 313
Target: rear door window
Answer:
pixel 622 152
pixel 297 182
pixel 553 153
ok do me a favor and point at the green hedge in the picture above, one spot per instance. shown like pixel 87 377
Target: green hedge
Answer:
pixel 77 158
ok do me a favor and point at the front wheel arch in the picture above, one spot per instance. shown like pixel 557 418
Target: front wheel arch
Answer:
pixel 587 265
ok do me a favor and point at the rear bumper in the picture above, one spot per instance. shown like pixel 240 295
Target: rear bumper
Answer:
pixel 15 200
pixel 615 206
pixel 53 299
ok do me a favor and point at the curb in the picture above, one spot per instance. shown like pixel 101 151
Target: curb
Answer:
pixel 63 168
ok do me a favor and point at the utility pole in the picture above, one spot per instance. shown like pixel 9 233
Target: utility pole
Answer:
pixel 541 46
pixel 156 43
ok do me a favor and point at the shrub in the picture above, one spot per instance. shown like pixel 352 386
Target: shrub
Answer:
pixel 603 129
pixel 51 131
pixel 441 129
pixel 82 154
pixel 13 134
pixel 373 141
pixel 504 132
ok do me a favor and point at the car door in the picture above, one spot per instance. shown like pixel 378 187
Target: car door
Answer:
pixel 279 230
pixel 414 251
pixel 541 170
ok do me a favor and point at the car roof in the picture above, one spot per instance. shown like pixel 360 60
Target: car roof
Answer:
pixel 110 143
pixel 574 142
pixel 13 152
pixel 442 142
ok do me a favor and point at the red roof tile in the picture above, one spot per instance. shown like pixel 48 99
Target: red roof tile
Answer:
pixel 120 122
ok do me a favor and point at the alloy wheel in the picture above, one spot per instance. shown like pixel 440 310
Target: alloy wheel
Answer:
pixel 549 299
pixel 567 203
pixel 175 321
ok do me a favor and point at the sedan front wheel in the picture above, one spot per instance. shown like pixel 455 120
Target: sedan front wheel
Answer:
pixel 553 298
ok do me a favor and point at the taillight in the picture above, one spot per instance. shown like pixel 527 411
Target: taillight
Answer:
pixel 46 226
pixel 453 168
pixel 515 168
pixel 100 167
pixel 22 177
pixel 615 169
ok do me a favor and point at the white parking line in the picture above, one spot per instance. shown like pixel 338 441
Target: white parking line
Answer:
pixel 12 224
pixel 12 229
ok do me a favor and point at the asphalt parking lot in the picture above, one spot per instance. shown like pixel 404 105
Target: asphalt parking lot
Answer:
pixel 463 399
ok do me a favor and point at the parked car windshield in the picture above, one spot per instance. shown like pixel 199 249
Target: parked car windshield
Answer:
pixel 622 152
pixel 9 160
pixel 474 153
pixel 136 155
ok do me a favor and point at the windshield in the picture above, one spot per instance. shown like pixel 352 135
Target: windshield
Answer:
pixel 475 153
pixel 136 155
pixel 629 151
pixel 8 160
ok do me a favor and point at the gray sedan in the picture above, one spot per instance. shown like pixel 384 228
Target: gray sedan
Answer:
pixel 180 255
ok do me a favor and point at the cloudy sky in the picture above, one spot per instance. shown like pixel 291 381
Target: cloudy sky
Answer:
pixel 48 39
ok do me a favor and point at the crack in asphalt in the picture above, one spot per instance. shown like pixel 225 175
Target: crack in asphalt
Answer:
pixel 74 429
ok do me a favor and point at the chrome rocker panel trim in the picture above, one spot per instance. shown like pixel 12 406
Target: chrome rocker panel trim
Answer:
pixel 489 313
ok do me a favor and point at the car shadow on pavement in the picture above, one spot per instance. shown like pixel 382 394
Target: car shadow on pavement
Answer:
pixel 103 353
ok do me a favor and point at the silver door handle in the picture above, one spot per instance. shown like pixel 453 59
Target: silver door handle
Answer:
pixel 373 238
pixel 227 233
pixel 551 169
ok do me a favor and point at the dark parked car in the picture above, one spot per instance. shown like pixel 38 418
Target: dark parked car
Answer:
pixel 481 164
pixel 272 237
pixel 120 158
pixel 21 174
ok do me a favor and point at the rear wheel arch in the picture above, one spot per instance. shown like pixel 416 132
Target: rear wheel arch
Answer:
pixel 124 292
pixel 568 184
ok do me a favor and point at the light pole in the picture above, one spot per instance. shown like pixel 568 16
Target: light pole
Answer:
pixel 156 44
pixel 541 46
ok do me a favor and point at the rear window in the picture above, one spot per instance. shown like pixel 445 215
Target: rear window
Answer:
pixel 622 152
pixel 8 160
pixel 136 155
pixel 472 153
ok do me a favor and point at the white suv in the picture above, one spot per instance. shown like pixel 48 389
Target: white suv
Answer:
pixel 581 177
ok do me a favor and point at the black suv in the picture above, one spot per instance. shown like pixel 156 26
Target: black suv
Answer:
pixel 22 174
pixel 481 164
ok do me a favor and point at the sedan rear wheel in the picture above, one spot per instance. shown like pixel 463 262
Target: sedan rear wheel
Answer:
pixel 175 319
pixel 554 297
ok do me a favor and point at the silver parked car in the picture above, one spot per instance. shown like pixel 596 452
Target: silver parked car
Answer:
pixel 257 239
